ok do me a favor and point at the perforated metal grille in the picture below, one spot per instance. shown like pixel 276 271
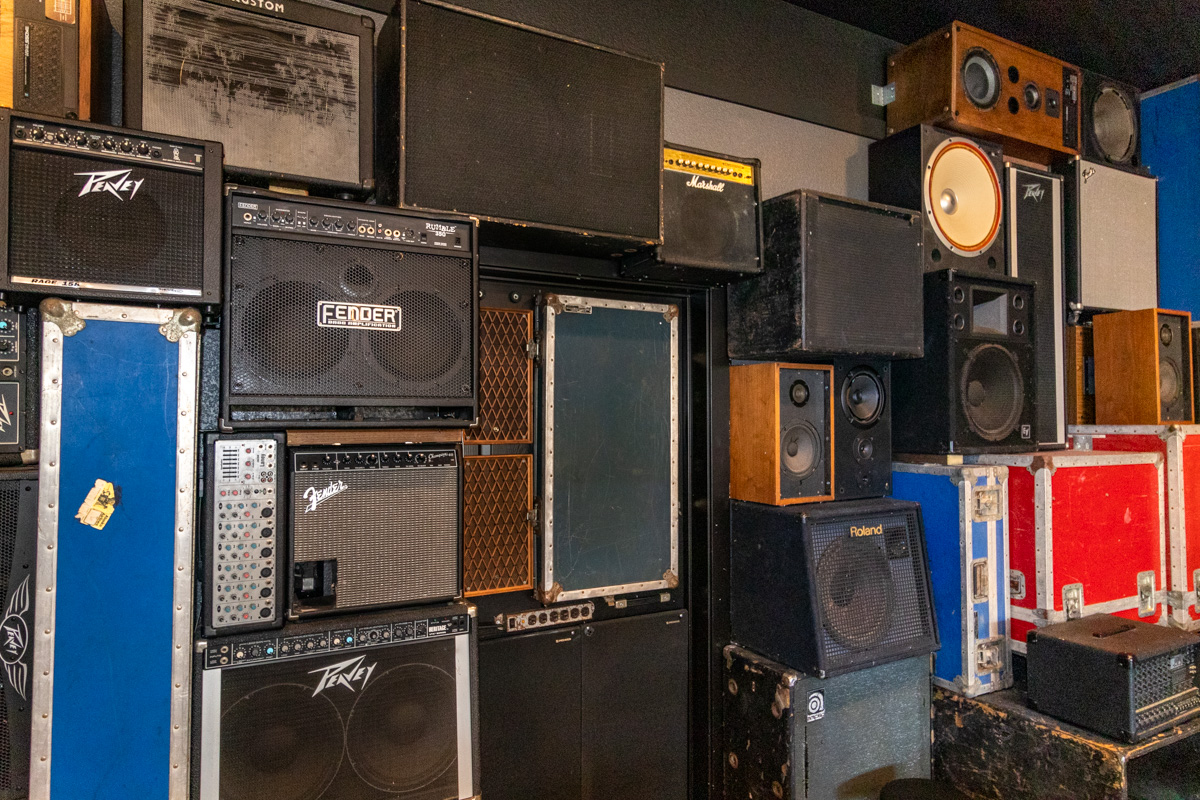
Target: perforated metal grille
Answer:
pixel 277 349
pixel 45 71
pixel 1154 681
pixel 393 531
pixel 497 533
pixel 153 238
pixel 505 378
pixel 10 493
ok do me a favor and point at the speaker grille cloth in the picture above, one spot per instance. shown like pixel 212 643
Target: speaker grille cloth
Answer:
pixel 394 532
pixel 45 85
pixel 505 378
pixel 281 96
pixel 542 129
pixel 10 495
pixel 497 534
pixel 155 238
pixel 277 349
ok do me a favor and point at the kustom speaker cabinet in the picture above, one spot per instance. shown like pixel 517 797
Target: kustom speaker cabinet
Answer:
pixel 554 143
pixel 95 211
pixel 46 57
pixel 840 277
pixel 712 220
pixel 1111 122
pixel 1143 367
pixel 974 390
pixel 1035 252
pixel 1060 506
pixel 958 186
pixel 862 428
pixel 1110 237
pixel 831 588
pixel 781 434
pixel 1081 375
pixel 381 706
pixel 18 546
pixel 341 314
pixel 785 733
pixel 116 498
pixel 20 371
pixel 976 82
pixel 965 509
pixel 286 86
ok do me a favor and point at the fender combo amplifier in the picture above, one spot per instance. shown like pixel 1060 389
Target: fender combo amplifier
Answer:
pixel 18 543
pixel 20 385
pixel 96 211
pixel 46 57
pixel 347 314
pixel 286 86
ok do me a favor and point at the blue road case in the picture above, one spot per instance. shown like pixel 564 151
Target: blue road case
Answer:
pixel 966 531
pixel 113 610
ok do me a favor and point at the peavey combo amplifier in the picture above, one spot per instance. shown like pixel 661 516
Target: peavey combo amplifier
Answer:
pixel 96 211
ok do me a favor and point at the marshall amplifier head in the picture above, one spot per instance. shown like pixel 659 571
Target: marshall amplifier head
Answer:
pixel 347 314
pixel 100 212
pixel 284 85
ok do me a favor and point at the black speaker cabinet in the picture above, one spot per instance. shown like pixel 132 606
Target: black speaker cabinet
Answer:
pixel 18 542
pixel 346 314
pixel 956 183
pixel 554 143
pixel 1035 252
pixel 712 220
pixel 20 384
pixel 1111 121
pixel 975 390
pixel 831 588
pixel 46 57
pixel 862 428
pixel 100 212
pixel 840 278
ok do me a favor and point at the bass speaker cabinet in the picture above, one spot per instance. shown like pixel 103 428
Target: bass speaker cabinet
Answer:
pixel 1111 122
pixel 1143 367
pixel 977 83
pixel 957 185
pixel 46 57
pixel 862 428
pixel 18 542
pixel 1035 252
pixel 345 314
pixel 841 277
pixel 1081 375
pixel 975 390
pixel 554 143
pixel 829 589
pixel 780 436
pixel 380 706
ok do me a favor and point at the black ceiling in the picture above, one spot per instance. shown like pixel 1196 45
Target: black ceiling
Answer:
pixel 1146 43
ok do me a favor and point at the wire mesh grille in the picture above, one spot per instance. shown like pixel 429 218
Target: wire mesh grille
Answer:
pixel 45 77
pixel 497 534
pixel 10 494
pixel 505 378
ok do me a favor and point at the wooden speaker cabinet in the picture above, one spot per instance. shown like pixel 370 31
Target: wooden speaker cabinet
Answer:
pixel 780 438
pixel 1143 367
pixel 970 80
pixel 1081 375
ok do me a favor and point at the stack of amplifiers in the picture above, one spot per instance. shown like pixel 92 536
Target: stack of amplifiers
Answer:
pixel 20 344
pixel 96 211
pixel 346 314
pixel 18 545
pixel 46 58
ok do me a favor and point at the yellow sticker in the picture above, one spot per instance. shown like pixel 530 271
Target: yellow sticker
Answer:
pixel 98 505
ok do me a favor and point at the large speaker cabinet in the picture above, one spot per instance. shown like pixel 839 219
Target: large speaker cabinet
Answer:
pixel 18 543
pixel 1143 367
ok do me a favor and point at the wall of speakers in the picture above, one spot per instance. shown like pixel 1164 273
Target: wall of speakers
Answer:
pixel 1143 367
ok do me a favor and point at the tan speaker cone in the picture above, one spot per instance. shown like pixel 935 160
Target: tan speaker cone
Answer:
pixel 962 197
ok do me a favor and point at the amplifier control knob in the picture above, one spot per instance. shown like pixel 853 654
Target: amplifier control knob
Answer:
pixel 126 146
pixel 143 149
pixel 38 134
pixel 109 143
pixel 61 137
pixel 80 140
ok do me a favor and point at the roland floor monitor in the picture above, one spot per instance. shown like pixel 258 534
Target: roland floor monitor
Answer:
pixel 840 277
pixel 346 314
pixel 46 57
pixel 974 392
pixel 781 448
pixel 862 428
pixel 1111 121
pixel 18 543
pixel 1143 367
pixel 286 86
pixel 958 186
pixel 977 83
pixel 99 212
pixel 712 220
pixel 556 144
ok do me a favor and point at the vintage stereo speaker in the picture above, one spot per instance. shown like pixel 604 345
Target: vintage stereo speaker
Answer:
pixel 831 588
pixel 286 86
pixel 346 314
pixel 785 733
pixel 553 142
pixel 975 390
pixel 18 544
pixel 1123 678
pixel 20 384
pixel 862 428
pixel 1081 375
pixel 133 215
pixel 712 219
pixel 1143 367
pixel 957 185
pixel 374 527
pixel 1035 252
pixel 978 83
pixel 1110 237
pixel 46 57
pixel 1110 113
pixel 781 434
pixel 840 277
pixel 364 706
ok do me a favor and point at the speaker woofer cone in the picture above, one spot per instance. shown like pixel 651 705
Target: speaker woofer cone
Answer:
pixel 962 196
pixel 855 591
pixel 1114 124
pixel 981 78
pixel 800 450
pixel 1170 381
pixel 863 397
pixel 991 392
